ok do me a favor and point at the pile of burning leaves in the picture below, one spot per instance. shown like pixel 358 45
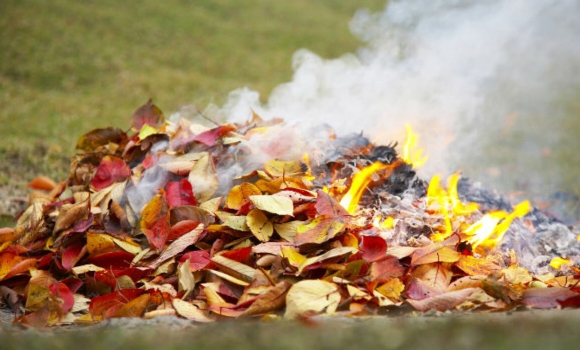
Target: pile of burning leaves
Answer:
pixel 148 224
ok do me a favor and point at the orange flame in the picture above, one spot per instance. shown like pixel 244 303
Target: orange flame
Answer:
pixel 410 154
pixel 490 229
pixel 447 203
pixel 360 181
pixel 386 224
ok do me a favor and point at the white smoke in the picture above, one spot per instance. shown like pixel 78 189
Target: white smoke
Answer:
pixel 455 70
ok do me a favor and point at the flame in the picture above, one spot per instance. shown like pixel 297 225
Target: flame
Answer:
pixel 448 203
pixel 410 154
pixel 387 224
pixel 360 181
pixel 490 229
pixel 557 262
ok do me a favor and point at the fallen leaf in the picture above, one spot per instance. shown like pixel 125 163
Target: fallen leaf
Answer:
pixel 62 292
pixel 111 169
pixel 442 302
pixel 433 253
pixel 326 205
pixel 274 204
pixel 260 225
pixel 319 230
pixel 373 248
pixel 101 137
pixel 203 178
pixel 271 300
pixel 476 266
pixel 179 245
pixel 42 183
pixel 311 296
pixel 383 270
pixel 134 308
pixel 546 298
pixel 190 311
pixel 333 253
pixel 148 114
pixel 155 222
pixel 239 195
pixel 198 259
pixel 185 279
pixel 232 267
pixel 100 304
pixel 180 193
pixel 288 229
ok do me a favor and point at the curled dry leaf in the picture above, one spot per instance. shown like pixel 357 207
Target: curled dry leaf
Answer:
pixel 271 300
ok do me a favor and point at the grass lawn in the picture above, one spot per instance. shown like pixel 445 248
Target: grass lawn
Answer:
pixel 67 67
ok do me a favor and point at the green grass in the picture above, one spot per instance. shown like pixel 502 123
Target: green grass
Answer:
pixel 67 67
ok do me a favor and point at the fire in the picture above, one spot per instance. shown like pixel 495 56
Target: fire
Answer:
pixel 386 224
pixel 557 262
pixel 486 233
pixel 490 229
pixel 447 203
pixel 410 154
pixel 360 181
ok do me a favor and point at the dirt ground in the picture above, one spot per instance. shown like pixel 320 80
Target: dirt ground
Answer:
pixel 527 329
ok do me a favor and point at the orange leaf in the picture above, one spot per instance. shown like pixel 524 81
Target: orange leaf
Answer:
pixel 271 300
pixel 42 183
pixel 319 230
pixel 155 222
pixel 240 195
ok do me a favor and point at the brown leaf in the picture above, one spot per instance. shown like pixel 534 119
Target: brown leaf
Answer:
pixel 442 302
pixel 70 214
pixel 101 137
pixel 272 300
pixel 383 270
pixel 148 114
pixel 546 298
pixel 326 205
pixel 476 266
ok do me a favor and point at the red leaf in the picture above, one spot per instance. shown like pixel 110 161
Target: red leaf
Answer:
pixel 198 259
pixel 570 302
pixel 73 284
pixel 148 114
pixel 373 248
pixel 135 273
pixel 239 255
pixel 113 260
pixel 210 137
pixel 389 267
pixel 180 193
pixel 107 278
pixel 61 291
pixel 326 205
pixel 181 228
pixel 110 170
pixel 72 254
pixel 100 304
pixel 155 222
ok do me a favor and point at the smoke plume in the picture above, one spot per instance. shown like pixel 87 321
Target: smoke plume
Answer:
pixel 481 82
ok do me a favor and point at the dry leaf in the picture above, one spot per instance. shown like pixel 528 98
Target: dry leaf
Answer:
pixel 203 178
pixel 273 204
pixel 259 224
pixel 311 296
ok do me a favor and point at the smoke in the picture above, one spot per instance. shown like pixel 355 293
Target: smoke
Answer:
pixel 481 82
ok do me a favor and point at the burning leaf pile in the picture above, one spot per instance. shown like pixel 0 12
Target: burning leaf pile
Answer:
pixel 151 222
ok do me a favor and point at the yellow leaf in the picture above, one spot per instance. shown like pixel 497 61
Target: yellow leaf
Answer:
pixel 190 311
pixel 99 242
pixel 37 296
pixel 311 296
pixel 392 289
pixel 319 230
pixel 288 230
pixel 240 195
pixel 294 258
pixel 203 178
pixel 185 278
pixel 279 168
pixel 238 223
pixel 274 204
pixel 259 224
